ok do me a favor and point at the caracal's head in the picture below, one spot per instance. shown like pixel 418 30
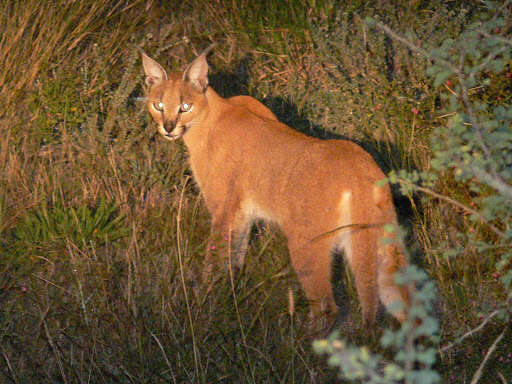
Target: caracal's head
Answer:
pixel 177 101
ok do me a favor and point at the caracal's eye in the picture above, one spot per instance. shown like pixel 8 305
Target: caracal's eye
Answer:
pixel 185 107
pixel 158 105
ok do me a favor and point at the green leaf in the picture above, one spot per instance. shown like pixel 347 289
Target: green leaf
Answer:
pixel 441 77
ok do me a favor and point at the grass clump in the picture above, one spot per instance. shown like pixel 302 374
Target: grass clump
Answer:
pixel 81 225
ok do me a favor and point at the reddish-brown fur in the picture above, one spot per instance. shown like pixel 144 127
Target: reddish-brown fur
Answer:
pixel 249 166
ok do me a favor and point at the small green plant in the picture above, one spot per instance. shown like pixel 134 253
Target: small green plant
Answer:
pixel 56 104
pixel 51 225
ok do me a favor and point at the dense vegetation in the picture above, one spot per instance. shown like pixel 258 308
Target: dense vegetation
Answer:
pixel 102 229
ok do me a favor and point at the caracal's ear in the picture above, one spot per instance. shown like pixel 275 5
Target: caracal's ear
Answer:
pixel 155 74
pixel 197 72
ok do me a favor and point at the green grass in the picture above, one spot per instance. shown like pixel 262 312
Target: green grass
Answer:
pixel 102 230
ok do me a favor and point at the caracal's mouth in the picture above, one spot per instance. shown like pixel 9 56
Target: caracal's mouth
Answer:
pixel 171 136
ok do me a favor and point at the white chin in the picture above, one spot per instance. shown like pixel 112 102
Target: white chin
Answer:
pixel 171 137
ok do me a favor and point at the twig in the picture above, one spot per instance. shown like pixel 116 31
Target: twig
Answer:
pixel 471 114
pixel 9 366
pixel 490 57
pixel 494 180
pixel 164 354
pixel 496 183
pixel 457 204
pixel 497 37
pixel 415 48
pixel 182 275
pixel 469 333
pixel 478 373
pixel 183 40
pixel 55 351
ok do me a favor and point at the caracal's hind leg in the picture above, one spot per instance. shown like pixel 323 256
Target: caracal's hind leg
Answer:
pixel 362 259
pixel 391 260
pixel 311 261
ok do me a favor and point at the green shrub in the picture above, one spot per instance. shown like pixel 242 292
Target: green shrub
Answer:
pixel 474 148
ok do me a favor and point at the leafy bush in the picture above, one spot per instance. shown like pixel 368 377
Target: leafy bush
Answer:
pixel 475 149
pixel 475 146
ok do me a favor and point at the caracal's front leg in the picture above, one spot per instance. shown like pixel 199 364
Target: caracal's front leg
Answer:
pixel 228 242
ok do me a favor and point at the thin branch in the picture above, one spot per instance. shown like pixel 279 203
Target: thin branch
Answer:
pixel 182 275
pixel 496 183
pixel 429 191
pixel 55 351
pixel 497 37
pixel 493 179
pixel 490 57
pixel 415 48
pixel 502 378
pixel 9 366
pixel 469 333
pixel 471 114
pixel 478 373
pixel 164 355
